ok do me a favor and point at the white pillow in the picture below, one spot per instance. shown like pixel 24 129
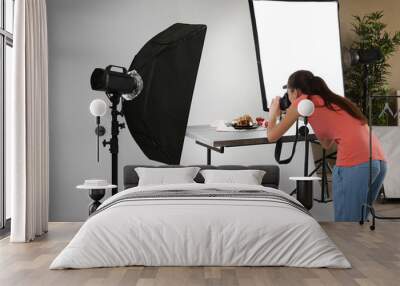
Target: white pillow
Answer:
pixel 165 176
pixel 248 177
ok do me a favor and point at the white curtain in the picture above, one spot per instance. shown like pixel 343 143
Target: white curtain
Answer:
pixel 27 143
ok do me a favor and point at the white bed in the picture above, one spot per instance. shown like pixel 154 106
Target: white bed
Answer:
pixel 207 230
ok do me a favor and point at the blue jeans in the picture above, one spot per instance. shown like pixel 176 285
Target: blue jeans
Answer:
pixel 350 188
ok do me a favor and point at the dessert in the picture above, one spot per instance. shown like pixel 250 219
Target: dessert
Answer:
pixel 243 121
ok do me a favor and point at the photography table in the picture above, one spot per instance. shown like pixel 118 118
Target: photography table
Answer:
pixel 207 137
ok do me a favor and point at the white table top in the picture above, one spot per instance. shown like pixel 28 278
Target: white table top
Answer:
pixel 87 187
pixel 305 178
pixel 209 136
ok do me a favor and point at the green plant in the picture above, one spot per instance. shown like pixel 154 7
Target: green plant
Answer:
pixel 370 33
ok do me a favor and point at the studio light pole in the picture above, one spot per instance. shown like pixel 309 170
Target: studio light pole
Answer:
pixel 365 58
pixel 117 83
pixel 304 185
pixel 306 109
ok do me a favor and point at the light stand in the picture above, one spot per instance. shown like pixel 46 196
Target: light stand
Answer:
pixel 98 108
pixel 113 142
pixel 369 205
pixel 157 119
pixel 304 185
pixel 307 145
pixel 116 82
pixel 366 57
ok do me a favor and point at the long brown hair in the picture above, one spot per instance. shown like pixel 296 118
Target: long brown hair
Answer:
pixel 309 84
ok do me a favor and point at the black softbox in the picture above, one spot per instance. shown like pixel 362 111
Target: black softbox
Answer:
pixel 168 64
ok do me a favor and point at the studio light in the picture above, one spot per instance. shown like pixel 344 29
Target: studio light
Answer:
pixel 156 94
pixel 121 82
pixel 353 57
pixel 366 58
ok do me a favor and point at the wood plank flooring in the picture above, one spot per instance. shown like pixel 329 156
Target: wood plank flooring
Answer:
pixel 375 257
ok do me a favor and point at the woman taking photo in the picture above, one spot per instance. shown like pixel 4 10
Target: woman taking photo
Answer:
pixel 336 120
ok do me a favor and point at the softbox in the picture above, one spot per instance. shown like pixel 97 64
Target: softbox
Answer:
pixel 168 65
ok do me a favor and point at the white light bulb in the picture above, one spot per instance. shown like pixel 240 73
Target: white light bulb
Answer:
pixel 98 107
pixel 305 107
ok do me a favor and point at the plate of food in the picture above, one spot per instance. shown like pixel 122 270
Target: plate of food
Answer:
pixel 244 122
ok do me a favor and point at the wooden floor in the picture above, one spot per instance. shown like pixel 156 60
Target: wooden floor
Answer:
pixel 375 257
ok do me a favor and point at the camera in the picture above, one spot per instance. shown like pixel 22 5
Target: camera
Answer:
pixel 284 102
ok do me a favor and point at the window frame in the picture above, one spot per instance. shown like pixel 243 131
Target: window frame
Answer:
pixel 6 39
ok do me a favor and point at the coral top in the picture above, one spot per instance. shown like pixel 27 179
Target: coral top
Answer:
pixel 351 137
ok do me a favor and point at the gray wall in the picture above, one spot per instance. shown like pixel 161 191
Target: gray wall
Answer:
pixel 84 34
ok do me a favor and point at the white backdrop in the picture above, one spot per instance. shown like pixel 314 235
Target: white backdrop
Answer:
pixel 298 35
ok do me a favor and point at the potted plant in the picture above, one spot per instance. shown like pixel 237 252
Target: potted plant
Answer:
pixel 370 33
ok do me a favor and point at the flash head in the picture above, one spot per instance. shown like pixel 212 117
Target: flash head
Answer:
pixel 368 56
pixel 117 80
pixel 353 57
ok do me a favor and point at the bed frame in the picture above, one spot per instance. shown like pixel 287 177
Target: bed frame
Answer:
pixel 270 179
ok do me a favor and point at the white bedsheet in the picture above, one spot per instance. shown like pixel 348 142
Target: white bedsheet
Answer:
pixel 224 232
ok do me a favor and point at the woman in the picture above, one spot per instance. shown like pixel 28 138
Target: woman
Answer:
pixel 336 120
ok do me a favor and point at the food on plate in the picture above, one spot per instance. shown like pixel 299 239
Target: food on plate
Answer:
pixel 243 121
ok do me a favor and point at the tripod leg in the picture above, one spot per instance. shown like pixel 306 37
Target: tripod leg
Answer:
pixel 362 215
pixel 315 170
pixel 327 188
pixel 383 194
pixel 372 227
pixel 329 168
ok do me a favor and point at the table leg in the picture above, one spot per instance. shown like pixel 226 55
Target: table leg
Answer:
pixel 96 195
pixel 208 156
pixel 304 193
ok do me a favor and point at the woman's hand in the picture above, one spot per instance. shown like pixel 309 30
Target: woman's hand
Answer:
pixel 274 131
pixel 274 109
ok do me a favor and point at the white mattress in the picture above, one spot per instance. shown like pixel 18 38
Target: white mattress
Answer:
pixel 200 231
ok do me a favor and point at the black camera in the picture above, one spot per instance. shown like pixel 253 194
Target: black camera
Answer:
pixel 284 102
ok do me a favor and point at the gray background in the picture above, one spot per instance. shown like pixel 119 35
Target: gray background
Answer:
pixel 84 34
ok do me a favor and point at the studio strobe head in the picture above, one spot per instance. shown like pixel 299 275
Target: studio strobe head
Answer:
pixel 117 81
